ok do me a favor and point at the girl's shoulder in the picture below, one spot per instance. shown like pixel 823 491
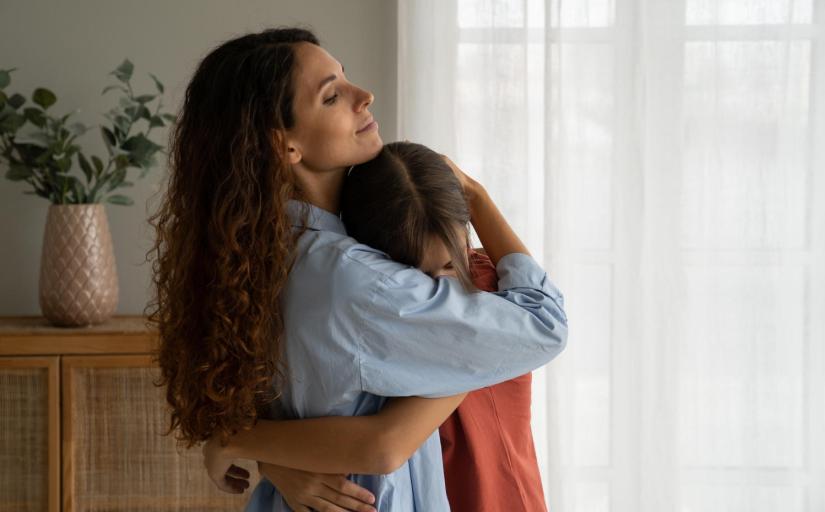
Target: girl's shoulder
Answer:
pixel 483 271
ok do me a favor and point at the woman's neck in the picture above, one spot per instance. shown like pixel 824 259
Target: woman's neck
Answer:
pixel 321 188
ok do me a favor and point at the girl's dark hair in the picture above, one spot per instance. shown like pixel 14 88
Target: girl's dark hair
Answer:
pixel 224 241
pixel 404 195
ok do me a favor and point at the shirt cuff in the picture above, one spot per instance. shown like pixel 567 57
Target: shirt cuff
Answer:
pixel 517 270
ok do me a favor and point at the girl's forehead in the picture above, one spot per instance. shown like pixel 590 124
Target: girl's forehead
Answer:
pixel 436 254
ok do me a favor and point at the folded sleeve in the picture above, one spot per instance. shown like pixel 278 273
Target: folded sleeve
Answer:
pixel 430 337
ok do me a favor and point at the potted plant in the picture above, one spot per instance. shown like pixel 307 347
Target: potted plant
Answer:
pixel 78 276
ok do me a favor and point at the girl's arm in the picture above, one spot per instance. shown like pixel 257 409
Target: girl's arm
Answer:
pixel 494 232
pixel 376 444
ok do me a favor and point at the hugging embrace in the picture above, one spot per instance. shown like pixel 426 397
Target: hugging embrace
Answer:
pixel 320 310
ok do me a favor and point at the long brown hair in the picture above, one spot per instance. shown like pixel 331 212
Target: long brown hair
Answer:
pixel 224 240
pixel 404 195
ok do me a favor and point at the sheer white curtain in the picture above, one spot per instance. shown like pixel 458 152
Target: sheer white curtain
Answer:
pixel 665 160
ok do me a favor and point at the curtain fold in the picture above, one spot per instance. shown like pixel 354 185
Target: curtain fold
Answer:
pixel 664 160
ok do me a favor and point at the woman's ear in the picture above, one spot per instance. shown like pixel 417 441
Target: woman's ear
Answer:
pixel 293 155
pixel 293 151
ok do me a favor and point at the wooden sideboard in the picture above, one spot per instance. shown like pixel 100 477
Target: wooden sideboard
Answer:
pixel 81 424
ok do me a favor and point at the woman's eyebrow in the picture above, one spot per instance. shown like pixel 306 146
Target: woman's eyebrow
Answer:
pixel 326 80
pixel 329 79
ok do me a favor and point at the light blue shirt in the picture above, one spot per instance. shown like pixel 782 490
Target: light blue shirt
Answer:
pixel 360 327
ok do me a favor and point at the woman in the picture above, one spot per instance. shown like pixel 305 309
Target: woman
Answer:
pixel 408 203
pixel 261 295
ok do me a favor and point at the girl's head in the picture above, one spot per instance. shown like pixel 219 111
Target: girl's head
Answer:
pixel 408 203
pixel 261 113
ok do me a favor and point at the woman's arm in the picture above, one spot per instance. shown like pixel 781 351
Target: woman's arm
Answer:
pixel 416 336
pixel 376 444
pixel 390 438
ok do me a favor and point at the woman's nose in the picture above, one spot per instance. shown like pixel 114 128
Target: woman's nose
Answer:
pixel 364 99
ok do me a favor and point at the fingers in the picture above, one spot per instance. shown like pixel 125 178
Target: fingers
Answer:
pixel 226 484
pixel 453 167
pixel 319 492
pixel 235 485
pixel 335 499
pixel 236 478
pixel 228 488
pixel 321 505
pixel 237 471
pixel 297 507
pixel 346 487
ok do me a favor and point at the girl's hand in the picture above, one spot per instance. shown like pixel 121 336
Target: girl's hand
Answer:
pixel 495 234
pixel 468 184
pixel 305 491
pixel 227 476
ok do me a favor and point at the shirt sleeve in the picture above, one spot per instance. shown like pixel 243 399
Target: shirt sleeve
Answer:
pixel 430 337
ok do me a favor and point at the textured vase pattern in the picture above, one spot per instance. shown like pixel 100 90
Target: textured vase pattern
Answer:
pixel 78 276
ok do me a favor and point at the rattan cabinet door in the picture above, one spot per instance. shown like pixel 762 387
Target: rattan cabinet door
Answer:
pixel 29 435
pixel 115 456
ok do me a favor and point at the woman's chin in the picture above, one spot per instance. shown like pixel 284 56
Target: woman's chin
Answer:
pixel 367 150
pixel 372 149
pixel 377 149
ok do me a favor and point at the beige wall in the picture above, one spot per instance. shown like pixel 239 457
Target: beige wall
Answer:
pixel 70 46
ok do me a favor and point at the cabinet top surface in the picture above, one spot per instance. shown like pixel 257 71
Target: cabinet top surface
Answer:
pixel 34 336
pixel 38 325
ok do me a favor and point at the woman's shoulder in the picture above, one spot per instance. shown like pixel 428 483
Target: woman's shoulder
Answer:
pixel 343 259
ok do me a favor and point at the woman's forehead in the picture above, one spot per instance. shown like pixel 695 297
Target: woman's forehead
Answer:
pixel 314 64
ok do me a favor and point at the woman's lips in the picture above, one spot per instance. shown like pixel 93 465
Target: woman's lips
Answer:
pixel 369 127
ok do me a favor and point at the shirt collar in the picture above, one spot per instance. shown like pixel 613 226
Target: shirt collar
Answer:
pixel 317 219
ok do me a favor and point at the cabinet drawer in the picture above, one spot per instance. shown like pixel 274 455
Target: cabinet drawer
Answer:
pixel 29 434
pixel 115 456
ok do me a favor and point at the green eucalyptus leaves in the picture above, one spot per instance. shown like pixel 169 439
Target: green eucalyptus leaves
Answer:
pixel 40 149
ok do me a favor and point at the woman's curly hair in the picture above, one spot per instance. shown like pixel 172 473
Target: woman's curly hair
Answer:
pixel 224 242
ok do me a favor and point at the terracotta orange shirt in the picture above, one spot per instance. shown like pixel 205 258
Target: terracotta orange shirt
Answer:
pixel 489 459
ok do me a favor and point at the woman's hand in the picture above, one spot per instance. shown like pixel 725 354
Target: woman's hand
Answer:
pixel 227 476
pixel 305 491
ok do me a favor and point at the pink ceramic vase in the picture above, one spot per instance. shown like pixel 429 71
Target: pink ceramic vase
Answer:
pixel 78 277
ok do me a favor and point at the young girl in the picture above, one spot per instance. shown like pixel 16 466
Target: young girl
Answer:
pixel 408 203
pixel 261 295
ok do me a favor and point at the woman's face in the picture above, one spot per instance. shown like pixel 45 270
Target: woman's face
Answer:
pixel 333 127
